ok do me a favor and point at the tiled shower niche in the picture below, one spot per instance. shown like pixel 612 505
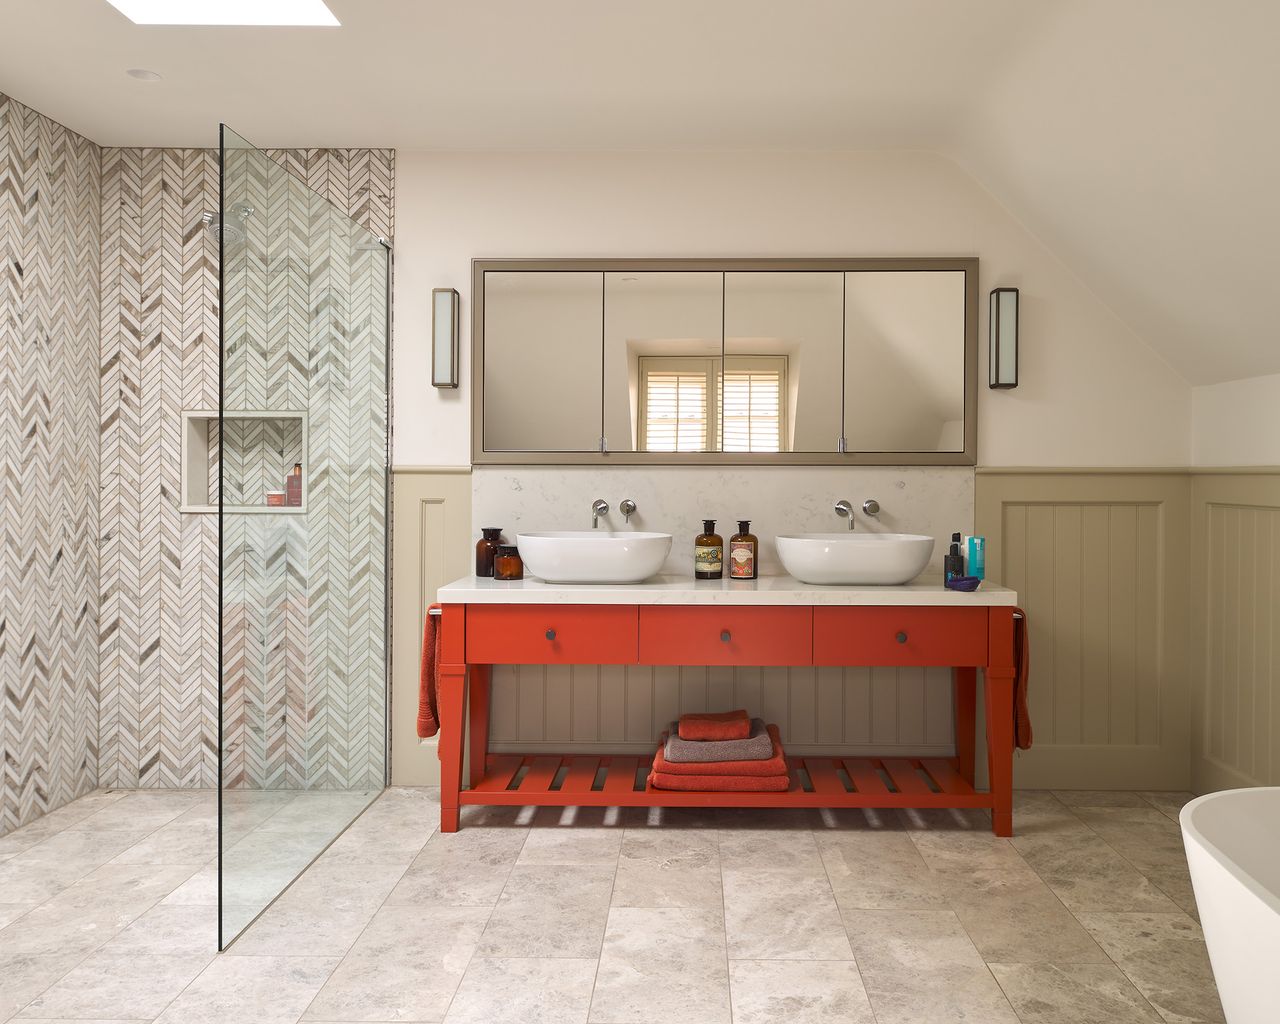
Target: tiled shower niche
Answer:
pixel 260 449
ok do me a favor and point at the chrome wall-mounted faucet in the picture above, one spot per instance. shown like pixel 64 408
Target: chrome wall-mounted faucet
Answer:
pixel 627 508
pixel 599 509
pixel 871 507
pixel 845 511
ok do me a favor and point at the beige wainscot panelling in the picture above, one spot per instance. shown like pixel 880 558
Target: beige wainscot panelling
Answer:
pixel 431 529
pixel 1099 561
pixel 1235 560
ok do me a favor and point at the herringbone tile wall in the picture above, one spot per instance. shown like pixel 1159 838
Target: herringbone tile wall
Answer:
pixel 290 722
pixel 49 256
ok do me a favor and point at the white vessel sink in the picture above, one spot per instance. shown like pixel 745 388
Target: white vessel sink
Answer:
pixel 593 556
pixel 855 558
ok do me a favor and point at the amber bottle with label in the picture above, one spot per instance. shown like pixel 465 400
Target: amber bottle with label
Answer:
pixel 708 553
pixel 744 553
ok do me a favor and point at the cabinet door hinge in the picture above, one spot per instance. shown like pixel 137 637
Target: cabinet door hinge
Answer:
pixel 844 445
pixel 604 445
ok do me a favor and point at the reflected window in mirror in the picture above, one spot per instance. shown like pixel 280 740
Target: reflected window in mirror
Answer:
pixel 784 337
pixel 737 404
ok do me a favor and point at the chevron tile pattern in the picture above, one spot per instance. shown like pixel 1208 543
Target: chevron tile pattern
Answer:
pixel 301 592
pixel 49 258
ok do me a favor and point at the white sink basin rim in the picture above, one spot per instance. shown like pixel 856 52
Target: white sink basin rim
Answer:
pixel 593 556
pixel 853 559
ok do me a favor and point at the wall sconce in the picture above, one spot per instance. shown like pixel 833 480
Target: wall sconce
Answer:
pixel 1003 323
pixel 444 337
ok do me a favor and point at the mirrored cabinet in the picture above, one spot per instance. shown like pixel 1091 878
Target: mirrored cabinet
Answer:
pixel 857 361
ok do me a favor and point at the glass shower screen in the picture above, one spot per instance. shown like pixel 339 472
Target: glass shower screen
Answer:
pixel 299 462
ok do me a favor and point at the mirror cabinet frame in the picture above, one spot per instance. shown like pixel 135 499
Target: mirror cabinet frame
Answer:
pixel 967 457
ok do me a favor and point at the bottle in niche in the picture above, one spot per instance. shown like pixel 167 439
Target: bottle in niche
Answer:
pixel 487 549
pixel 293 487
pixel 744 551
pixel 708 553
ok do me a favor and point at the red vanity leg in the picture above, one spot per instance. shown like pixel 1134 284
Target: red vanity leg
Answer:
pixel 998 690
pixel 451 698
pixel 478 713
pixel 964 682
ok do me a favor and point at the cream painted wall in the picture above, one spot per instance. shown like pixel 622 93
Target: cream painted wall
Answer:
pixel 1236 423
pixel 1092 392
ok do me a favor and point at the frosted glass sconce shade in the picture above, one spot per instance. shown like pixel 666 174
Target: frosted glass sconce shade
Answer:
pixel 1004 338
pixel 444 338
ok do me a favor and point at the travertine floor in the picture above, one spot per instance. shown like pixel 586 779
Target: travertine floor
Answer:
pixel 611 916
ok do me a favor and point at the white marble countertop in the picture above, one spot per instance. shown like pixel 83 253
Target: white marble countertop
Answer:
pixel 768 590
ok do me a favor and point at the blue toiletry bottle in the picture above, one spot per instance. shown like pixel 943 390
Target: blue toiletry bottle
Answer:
pixel 977 560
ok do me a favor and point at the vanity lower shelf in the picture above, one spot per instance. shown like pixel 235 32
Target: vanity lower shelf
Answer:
pixel 592 780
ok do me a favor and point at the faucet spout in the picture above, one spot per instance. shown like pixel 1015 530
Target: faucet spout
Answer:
pixel 845 510
pixel 599 508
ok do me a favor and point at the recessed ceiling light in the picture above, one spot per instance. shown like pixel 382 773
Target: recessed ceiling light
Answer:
pixel 225 12
pixel 143 75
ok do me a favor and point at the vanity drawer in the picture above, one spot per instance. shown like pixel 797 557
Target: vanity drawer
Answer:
pixel 683 635
pixel 504 634
pixel 900 636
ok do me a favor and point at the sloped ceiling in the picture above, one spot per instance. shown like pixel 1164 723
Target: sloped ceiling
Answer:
pixel 1138 138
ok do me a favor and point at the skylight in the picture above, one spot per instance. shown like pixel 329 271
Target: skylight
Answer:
pixel 225 12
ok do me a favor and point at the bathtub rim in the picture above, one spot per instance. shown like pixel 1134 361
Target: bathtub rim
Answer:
pixel 1190 832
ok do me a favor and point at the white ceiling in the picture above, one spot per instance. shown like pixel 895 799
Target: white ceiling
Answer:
pixel 1137 137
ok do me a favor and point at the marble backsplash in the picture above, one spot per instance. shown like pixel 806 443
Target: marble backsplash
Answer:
pixel 933 500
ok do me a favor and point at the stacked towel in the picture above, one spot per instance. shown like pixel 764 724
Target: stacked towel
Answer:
pixel 758 746
pixel 720 725
pixel 749 774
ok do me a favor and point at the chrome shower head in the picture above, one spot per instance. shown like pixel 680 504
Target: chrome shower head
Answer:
pixel 231 229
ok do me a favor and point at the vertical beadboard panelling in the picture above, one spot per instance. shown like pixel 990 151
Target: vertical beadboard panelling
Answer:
pixel 431 537
pixel 623 709
pixel 1236 522
pixel 1099 563
pixel 49 254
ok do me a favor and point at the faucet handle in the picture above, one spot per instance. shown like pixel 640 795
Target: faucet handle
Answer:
pixel 627 508
pixel 871 507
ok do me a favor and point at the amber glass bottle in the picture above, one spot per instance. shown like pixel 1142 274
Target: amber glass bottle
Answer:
pixel 744 553
pixel 508 565
pixel 487 549
pixel 708 553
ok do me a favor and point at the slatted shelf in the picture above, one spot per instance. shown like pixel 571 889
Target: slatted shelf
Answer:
pixel 592 780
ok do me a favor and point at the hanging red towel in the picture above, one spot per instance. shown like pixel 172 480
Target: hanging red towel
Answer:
pixel 1022 669
pixel 428 714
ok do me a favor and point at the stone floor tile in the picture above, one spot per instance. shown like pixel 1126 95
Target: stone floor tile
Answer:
pixel 878 871
pixel 404 967
pixel 46 869
pixel 144 810
pixel 1165 958
pixel 1099 798
pixel 1086 874
pixel 170 930
pixel 798 992
pixel 744 849
pixel 251 990
pixel 571 846
pixel 119 985
pixel 524 990
pixel 919 967
pixel 24 977
pixel 680 868
pixel 1169 802
pixel 1073 994
pixel 461 869
pixel 546 910
pixel 660 965
pixel 782 914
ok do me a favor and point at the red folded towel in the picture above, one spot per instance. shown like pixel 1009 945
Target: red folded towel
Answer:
pixel 724 725
pixel 721 783
pixel 776 764
pixel 428 713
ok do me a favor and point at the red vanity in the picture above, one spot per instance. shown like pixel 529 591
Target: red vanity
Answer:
pixel 771 621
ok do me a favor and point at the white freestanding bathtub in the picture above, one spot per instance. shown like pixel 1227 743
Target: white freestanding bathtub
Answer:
pixel 1233 850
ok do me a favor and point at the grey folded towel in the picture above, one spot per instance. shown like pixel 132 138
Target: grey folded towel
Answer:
pixel 756 747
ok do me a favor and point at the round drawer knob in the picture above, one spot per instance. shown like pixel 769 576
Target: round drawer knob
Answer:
pixel 551 634
pixel 725 636
pixel 901 638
